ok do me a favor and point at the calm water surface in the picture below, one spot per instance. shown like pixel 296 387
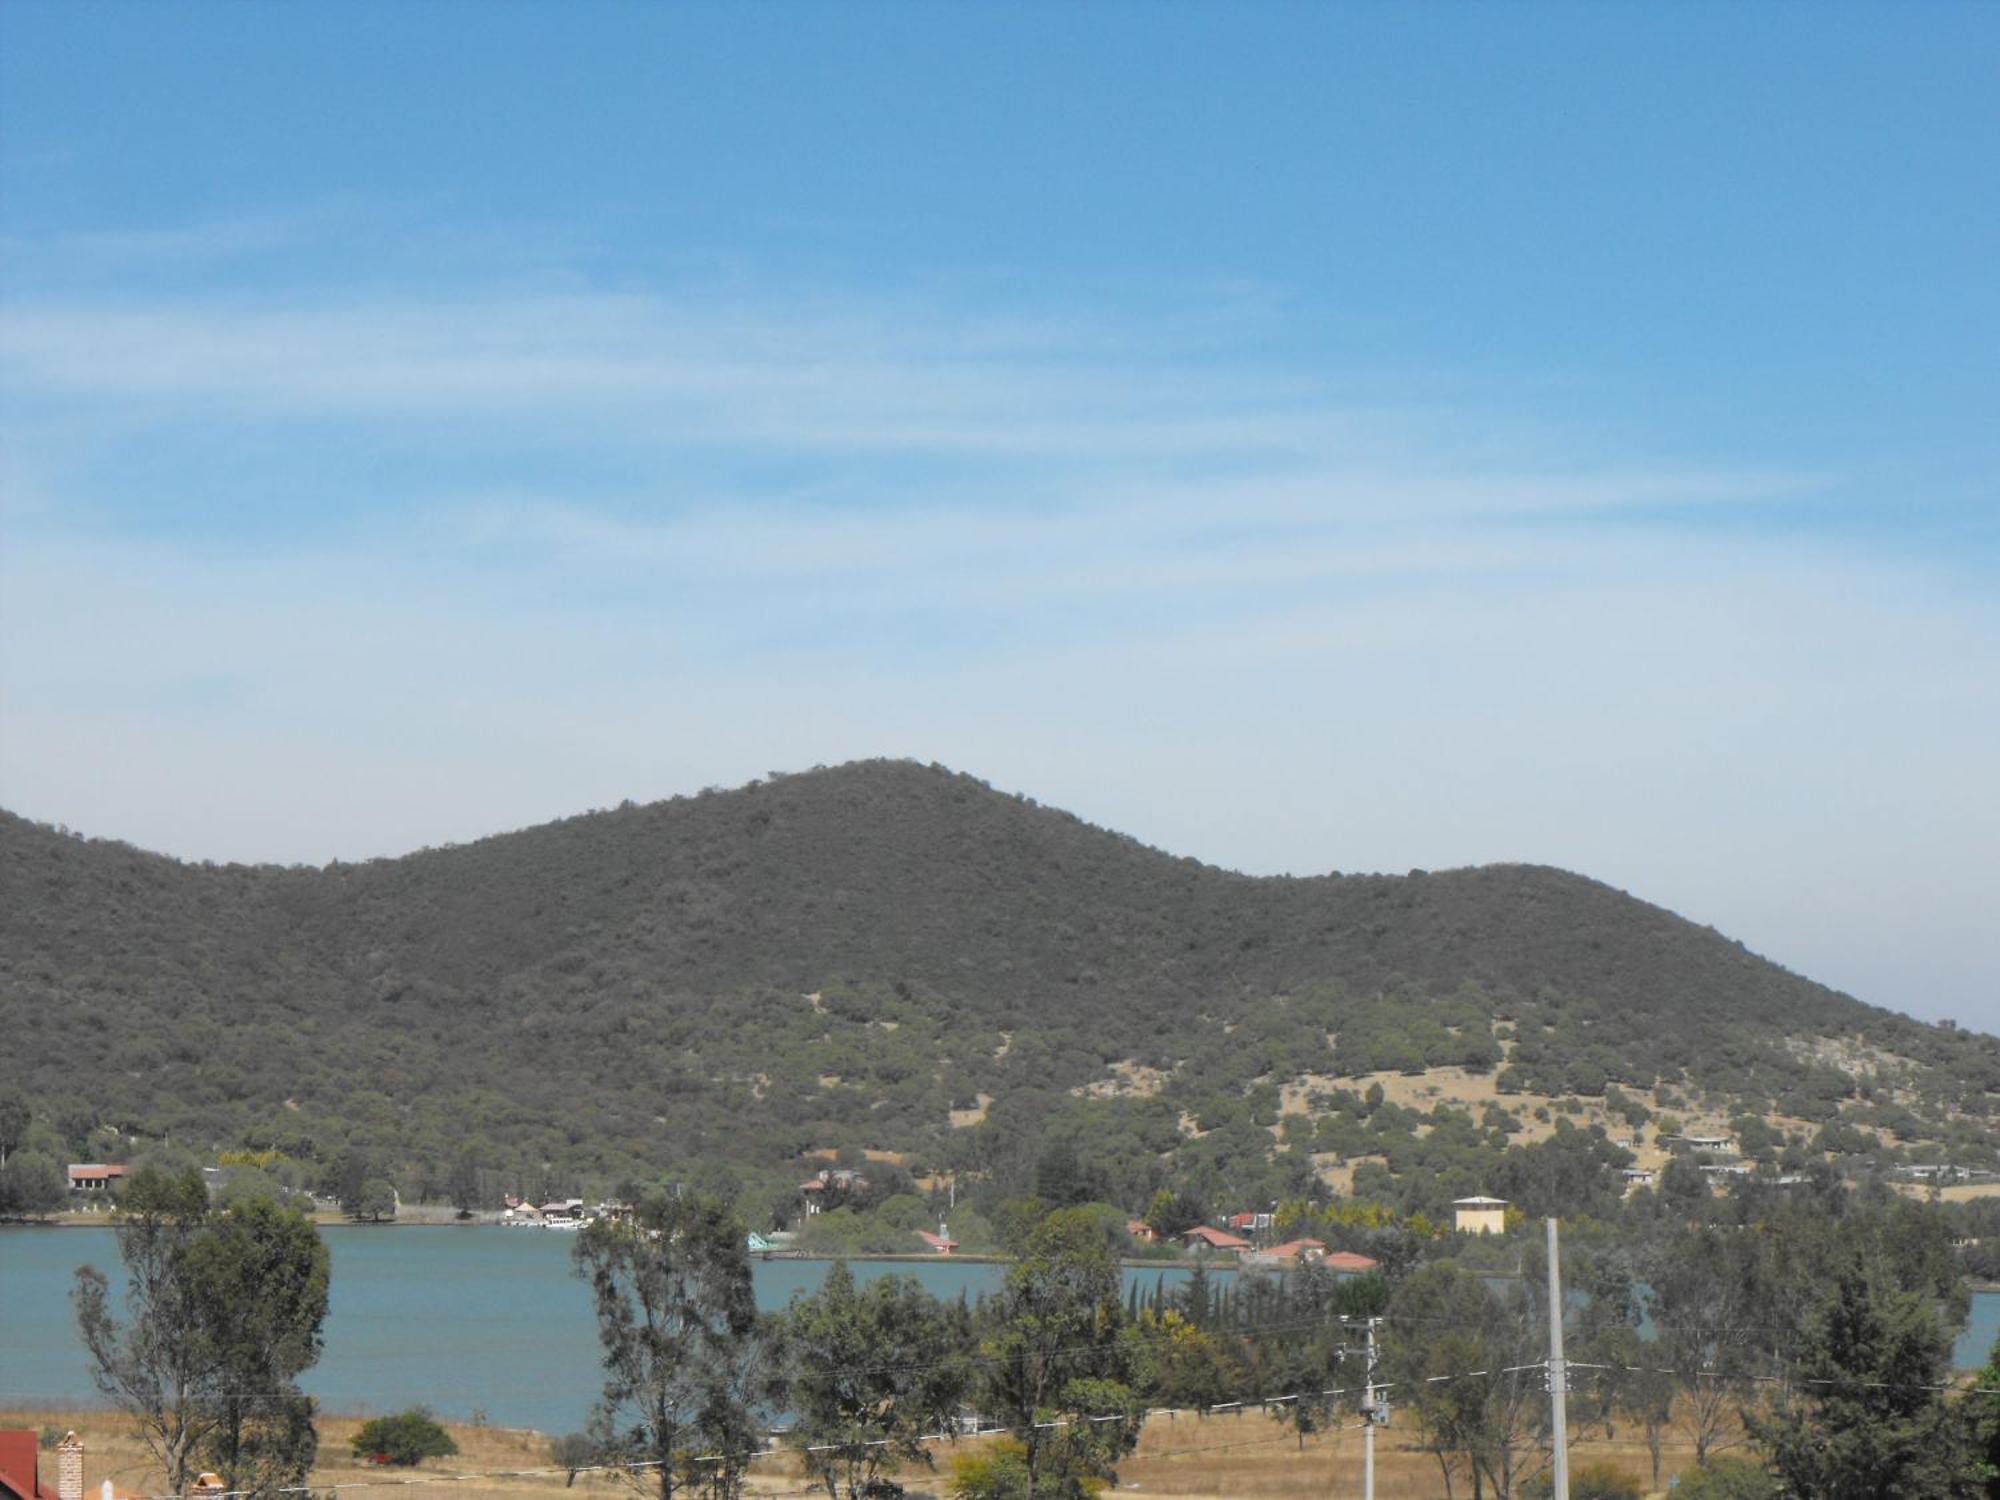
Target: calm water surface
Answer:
pixel 462 1319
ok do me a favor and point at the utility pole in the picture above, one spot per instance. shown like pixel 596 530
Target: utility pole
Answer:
pixel 1372 1415
pixel 1558 1376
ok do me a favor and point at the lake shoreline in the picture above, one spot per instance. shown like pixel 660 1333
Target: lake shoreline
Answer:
pixel 888 1257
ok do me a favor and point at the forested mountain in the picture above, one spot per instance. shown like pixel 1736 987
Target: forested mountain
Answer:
pixel 843 958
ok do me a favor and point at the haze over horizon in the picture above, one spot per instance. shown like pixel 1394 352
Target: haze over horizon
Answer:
pixel 1301 440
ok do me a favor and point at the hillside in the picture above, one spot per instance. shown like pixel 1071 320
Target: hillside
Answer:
pixel 848 957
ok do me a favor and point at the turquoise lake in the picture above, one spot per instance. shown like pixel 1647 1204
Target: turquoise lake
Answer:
pixel 461 1319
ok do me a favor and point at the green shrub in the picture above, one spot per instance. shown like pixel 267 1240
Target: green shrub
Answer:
pixel 408 1438
pixel 1726 1479
pixel 1598 1481
pixel 999 1471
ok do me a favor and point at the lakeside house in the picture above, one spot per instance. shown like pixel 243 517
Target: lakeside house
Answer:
pixel 1203 1240
pixel 1479 1215
pixel 1299 1252
pixel 938 1243
pixel 94 1177
pixel 829 1180
pixel 1348 1263
pixel 1141 1232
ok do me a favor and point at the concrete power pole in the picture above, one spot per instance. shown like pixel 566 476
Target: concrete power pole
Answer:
pixel 1558 1376
pixel 1372 1416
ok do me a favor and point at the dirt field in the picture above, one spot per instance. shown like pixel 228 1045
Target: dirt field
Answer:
pixel 1222 1457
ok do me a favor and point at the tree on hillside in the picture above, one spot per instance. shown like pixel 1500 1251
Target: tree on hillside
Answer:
pixel 873 1372
pixel 1867 1414
pixel 687 1363
pixel 31 1184
pixel 1055 1363
pixel 223 1311
pixel 13 1123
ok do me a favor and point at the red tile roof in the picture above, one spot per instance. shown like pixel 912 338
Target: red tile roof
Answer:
pixel 20 1476
pixel 1347 1260
pixel 1216 1239
pixel 1296 1247
pixel 937 1242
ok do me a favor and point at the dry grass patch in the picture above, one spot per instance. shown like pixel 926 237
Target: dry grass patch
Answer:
pixel 113 1450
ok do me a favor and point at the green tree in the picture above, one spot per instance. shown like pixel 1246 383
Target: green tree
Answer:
pixel 346 1179
pixel 1630 1386
pixel 376 1202
pixel 1708 1309
pixel 1985 1422
pixel 463 1185
pixel 1173 1214
pixel 13 1123
pixel 223 1311
pixel 1055 1362
pixel 873 1372
pixel 1867 1416
pixel 1176 1363
pixel 259 1275
pixel 686 1362
pixel 158 1365
pixel 1457 1350
pixel 406 1439
pixel 31 1185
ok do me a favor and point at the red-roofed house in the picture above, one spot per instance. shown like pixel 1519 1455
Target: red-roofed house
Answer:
pixel 1348 1263
pixel 1248 1223
pixel 1296 1252
pixel 1202 1238
pixel 1141 1231
pixel 20 1467
pixel 937 1242
pixel 93 1177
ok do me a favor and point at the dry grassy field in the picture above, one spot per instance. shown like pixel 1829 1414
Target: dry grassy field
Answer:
pixel 1221 1457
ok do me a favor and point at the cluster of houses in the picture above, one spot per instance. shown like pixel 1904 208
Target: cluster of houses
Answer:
pixel 1247 1238
pixel 558 1213
pixel 1206 1239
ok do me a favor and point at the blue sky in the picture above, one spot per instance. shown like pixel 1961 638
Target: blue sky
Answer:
pixel 1302 437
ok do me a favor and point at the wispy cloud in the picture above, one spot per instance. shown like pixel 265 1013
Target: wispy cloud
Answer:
pixel 1132 565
